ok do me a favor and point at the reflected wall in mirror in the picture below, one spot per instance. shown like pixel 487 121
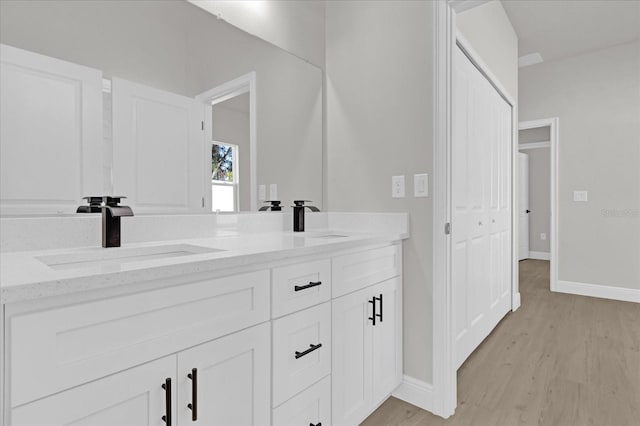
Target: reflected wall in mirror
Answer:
pixel 182 50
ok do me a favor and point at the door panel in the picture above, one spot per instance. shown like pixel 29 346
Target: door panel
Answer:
pixel 523 206
pixel 158 146
pixel 387 335
pixel 481 207
pixel 233 379
pixel 130 398
pixel 51 132
pixel 351 357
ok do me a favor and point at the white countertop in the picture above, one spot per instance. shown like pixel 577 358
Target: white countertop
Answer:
pixel 24 276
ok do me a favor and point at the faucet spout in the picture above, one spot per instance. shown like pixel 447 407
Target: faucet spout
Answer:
pixel 111 214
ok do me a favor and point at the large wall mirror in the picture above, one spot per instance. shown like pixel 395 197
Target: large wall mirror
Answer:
pixel 161 65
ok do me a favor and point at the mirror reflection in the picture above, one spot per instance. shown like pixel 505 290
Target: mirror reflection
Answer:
pixel 163 66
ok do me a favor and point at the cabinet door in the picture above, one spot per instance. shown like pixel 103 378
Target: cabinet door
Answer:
pixel 352 345
pixel 311 407
pixel 51 132
pixel 387 340
pixel 158 149
pixel 129 398
pixel 233 380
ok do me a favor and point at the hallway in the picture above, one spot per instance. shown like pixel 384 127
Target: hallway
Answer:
pixel 559 360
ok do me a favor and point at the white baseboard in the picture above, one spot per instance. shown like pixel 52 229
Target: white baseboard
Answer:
pixel 415 392
pixel 597 290
pixel 539 255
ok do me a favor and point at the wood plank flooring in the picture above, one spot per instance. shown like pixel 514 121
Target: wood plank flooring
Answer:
pixel 559 360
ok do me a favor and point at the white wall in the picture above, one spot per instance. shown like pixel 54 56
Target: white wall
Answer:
pixel 295 26
pixel 597 98
pixel 379 124
pixel 489 31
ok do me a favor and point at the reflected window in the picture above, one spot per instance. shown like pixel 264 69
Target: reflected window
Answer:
pixel 224 177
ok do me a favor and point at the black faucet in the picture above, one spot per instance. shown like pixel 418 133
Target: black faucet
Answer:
pixel 298 214
pixel 274 207
pixel 111 214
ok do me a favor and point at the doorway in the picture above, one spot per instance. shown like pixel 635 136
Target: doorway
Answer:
pixel 230 130
pixel 538 206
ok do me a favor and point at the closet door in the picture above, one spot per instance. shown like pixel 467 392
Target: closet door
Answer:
pixel 51 133
pixel 158 149
pixel 481 224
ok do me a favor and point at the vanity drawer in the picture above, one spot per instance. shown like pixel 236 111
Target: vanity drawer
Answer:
pixel 301 351
pixel 60 348
pixel 299 286
pixel 310 407
pixel 352 272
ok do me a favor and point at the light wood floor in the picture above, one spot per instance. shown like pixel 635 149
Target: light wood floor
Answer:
pixel 559 360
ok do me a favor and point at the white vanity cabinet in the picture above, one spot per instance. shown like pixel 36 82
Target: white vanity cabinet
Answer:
pixel 367 333
pixel 316 341
pixel 90 361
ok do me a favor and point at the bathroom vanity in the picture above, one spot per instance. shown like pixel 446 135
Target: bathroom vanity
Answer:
pixel 237 328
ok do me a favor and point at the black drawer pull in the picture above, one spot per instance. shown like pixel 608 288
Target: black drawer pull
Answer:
pixel 194 394
pixel 304 287
pixel 380 300
pixel 317 424
pixel 373 317
pixel 167 401
pixel 308 351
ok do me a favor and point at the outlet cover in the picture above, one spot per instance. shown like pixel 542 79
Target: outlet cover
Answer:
pixel 543 236
pixel 273 192
pixel 397 186
pixel 262 192
pixel 421 185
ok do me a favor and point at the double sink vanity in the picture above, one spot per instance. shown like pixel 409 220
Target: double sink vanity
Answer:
pixel 247 324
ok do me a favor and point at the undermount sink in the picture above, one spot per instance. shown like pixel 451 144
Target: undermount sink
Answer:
pixel 118 256
pixel 328 235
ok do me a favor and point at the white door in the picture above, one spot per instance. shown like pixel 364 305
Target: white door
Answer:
pixel 233 380
pixel 158 149
pixel 130 398
pixel 523 206
pixel 387 340
pixel 351 379
pixel 481 207
pixel 51 133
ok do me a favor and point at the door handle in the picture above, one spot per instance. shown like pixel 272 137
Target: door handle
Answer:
pixel 167 401
pixel 193 406
pixel 379 299
pixel 373 317
pixel 304 287
pixel 527 211
pixel 308 351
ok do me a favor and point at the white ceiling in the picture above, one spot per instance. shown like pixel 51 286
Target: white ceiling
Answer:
pixel 562 28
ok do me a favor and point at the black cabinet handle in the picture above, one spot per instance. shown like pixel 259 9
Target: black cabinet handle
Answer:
pixel 380 300
pixel 373 317
pixel 304 287
pixel 317 424
pixel 167 401
pixel 194 394
pixel 308 351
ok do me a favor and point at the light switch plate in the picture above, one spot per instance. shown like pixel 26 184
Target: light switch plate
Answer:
pixel 543 236
pixel 397 186
pixel 421 185
pixel 273 191
pixel 580 196
pixel 262 192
